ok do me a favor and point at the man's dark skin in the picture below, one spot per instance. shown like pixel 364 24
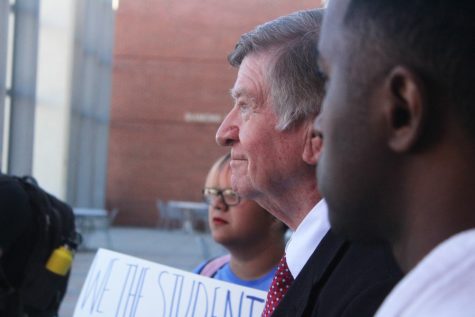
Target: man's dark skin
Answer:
pixel 398 157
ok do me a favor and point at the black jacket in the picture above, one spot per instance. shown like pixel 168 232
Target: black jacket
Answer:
pixel 341 279
pixel 17 231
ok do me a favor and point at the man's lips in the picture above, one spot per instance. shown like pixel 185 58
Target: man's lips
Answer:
pixel 236 156
pixel 236 161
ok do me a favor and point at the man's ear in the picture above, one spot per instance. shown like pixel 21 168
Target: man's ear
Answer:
pixel 312 147
pixel 404 109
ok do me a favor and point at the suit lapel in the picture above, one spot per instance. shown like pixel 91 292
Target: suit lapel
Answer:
pixel 302 295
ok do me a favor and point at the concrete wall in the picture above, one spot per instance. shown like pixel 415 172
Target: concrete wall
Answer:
pixel 169 93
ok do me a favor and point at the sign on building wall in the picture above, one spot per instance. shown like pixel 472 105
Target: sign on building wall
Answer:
pixel 202 117
pixel 122 285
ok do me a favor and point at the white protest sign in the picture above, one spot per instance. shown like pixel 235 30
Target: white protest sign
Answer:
pixel 119 285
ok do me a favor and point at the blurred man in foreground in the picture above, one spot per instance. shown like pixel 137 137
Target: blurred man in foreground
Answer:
pixel 398 127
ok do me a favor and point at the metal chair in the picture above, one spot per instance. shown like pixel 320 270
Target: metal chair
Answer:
pixel 169 218
pixel 110 221
pixel 184 216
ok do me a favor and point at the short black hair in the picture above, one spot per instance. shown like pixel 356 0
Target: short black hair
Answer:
pixel 434 38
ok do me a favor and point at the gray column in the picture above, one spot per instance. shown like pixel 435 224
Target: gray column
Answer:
pixel 25 50
pixel 87 168
pixel 105 57
pixel 4 17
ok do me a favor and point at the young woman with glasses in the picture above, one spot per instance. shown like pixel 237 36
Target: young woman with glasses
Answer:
pixel 254 239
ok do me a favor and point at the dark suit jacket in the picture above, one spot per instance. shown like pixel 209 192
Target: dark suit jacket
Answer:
pixel 341 279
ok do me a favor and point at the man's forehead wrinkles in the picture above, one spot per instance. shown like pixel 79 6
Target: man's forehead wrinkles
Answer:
pixel 241 92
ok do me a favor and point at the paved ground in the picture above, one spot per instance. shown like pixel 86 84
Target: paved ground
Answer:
pixel 173 248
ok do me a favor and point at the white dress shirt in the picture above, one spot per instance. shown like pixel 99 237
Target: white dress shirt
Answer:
pixel 442 284
pixel 307 237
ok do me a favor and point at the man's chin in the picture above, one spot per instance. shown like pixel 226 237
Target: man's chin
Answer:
pixel 235 183
pixel 243 189
pixel 354 231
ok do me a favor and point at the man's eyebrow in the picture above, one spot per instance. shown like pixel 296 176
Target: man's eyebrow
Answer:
pixel 232 93
pixel 236 93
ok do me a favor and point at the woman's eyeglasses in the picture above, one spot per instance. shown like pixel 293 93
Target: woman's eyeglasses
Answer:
pixel 229 197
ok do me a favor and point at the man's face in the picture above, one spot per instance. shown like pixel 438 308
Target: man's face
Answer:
pixel 351 168
pixel 265 161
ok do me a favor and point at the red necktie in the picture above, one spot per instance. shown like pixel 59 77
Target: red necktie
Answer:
pixel 280 284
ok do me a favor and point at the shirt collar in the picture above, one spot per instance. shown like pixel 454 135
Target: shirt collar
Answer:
pixel 307 237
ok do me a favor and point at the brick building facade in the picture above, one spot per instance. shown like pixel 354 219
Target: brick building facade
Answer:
pixel 169 93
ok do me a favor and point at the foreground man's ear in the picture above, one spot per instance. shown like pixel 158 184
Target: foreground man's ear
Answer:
pixel 405 109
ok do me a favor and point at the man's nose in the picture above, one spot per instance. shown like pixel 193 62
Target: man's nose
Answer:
pixel 228 131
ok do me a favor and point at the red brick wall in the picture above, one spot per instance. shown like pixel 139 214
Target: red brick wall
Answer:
pixel 170 59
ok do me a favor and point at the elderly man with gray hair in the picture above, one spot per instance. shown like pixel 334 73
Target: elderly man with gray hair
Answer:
pixel 277 95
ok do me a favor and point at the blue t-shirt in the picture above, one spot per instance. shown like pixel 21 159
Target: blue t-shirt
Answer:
pixel 226 274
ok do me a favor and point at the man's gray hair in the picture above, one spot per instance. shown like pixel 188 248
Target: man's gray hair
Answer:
pixel 296 88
